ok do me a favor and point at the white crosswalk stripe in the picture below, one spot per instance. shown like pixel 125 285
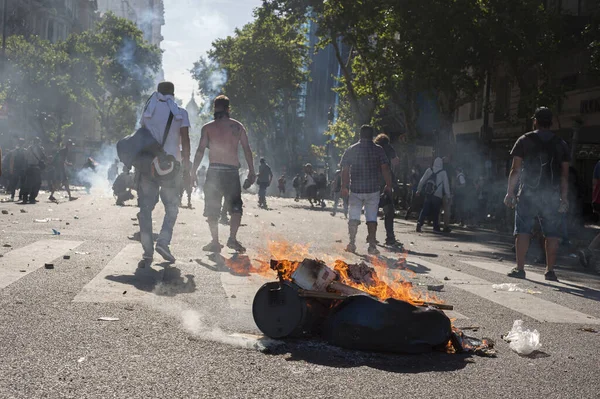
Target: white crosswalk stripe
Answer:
pixel 20 262
pixel 120 280
pixel 527 304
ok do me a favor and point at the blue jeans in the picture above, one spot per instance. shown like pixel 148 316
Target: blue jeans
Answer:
pixel 149 191
pixel 431 207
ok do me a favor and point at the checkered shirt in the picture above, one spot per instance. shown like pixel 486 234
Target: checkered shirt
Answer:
pixel 364 160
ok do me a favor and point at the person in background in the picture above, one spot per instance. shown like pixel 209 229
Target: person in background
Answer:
pixel 113 171
pixel 433 186
pixel 587 255
pixel 541 168
pixel 201 179
pixel 415 200
pixel 59 177
pixel 281 185
pixel 364 165
pixel 36 162
pixel 265 177
pixel 447 200
pixel 321 181
pixel 122 186
pixel 310 185
pixel 297 187
pixel 460 194
pixel 336 188
pixel 386 200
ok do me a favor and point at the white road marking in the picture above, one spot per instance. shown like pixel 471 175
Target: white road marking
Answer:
pixel 240 290
pixel 20 262
pixel 502 268
pixel 121 280
pixel 527 304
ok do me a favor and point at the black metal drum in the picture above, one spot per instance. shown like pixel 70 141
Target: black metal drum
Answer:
pixel 280 312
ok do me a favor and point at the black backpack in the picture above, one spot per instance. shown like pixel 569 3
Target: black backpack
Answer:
pixel 431 185
pixel 542 166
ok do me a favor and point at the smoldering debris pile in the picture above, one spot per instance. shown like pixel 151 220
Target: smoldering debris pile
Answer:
pixel 350 307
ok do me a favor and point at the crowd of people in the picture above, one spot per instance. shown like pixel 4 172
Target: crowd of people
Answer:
pixel 540 185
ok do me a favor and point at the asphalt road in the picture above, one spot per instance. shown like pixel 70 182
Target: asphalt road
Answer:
pixel 186 331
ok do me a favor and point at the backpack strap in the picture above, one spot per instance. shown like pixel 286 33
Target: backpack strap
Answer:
pixel 167 130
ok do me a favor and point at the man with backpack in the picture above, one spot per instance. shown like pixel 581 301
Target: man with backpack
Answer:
pixel 433 186
pixel 169 124
pixel 541 168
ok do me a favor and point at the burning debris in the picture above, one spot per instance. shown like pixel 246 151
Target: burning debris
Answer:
pixel 350 306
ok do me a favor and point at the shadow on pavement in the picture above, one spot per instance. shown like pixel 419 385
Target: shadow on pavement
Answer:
pixel 237 264
pixel 166 282
pixel 321 353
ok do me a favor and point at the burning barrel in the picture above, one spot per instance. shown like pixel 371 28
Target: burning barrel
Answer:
pixel 279 311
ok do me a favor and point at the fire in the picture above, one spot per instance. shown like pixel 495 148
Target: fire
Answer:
pixel 384 282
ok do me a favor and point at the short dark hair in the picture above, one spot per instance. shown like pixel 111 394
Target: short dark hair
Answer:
pixel 366 132
pixel 543 116
pixel 166 88
pixel 222 101
pixel 382 139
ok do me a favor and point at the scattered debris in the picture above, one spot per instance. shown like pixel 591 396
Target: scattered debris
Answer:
pixel 82 253
pixel 446 278
pixel 23 211
pixel 76 217
pixel 272 224
pixel 136 224
pixel 7 246
pixel 55 232
pixel 472 328
pixel 588 329
pixel 67 257
pixel 456 246
pixel 108 318
pixel 233 296
pixel 338 241
pixel 68 224
pixel 512 287
pixel 4 212
pixel 436 288
pixel 129 308
pixel 134 219
pixel 81 359
pixel 523 341
pixel 23 271
pixel 124 292
pixel 49 266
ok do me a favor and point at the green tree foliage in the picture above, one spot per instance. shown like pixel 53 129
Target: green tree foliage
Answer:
pixel 264 64
pixel 107 71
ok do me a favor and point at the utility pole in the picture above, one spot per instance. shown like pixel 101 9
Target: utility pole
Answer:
pixel 486 105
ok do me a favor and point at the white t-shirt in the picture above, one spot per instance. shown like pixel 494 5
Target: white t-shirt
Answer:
pixel 158 122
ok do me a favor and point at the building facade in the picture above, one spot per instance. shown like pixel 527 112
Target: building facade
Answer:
pixel 52 20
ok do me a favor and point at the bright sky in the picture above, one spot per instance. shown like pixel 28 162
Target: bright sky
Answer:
pixel 190 28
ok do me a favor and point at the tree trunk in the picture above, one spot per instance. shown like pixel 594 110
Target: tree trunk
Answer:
pixel 352 97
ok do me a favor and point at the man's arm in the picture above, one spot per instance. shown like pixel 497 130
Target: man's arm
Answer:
pixel 387 176
pixel 248 155
pixel 345 180
pixel 513 179
pixel 564 183
pixel 424 178
pixel 200 151
pixel 184 132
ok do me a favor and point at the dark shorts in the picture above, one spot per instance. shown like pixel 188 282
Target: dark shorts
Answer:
pixel 222 184
pixel 544 209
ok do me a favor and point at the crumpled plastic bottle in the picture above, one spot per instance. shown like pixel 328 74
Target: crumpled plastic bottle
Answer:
pixel 523 341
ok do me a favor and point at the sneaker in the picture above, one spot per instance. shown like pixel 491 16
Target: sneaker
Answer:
pixel 52 198
pixel 550 276
pixel 73 198
pixel 351 248
pixel 235 245
pixel 438 230
pixel 373 250
pixel 164 251
pixel 332 213
pixel 585 256
pixel 213 247
pixel 516 273
pixel 395 244
pixel 419 228
pixel 146 262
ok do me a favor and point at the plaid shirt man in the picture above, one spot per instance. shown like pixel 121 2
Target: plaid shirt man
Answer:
pixel 364 160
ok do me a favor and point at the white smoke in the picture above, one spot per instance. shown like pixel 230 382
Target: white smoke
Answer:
pixel 195 322
pixel 97 179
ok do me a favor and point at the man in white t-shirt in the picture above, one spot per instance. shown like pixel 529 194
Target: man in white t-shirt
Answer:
pixel 155 118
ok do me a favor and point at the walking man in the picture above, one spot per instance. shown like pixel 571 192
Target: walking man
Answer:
pixel 265 177
pixel 297 187
pixel 433 185
pixel 223 135
pixel 541 168
pixel 336 187
pixel 169 124
pixel 364 165
pixel 59 175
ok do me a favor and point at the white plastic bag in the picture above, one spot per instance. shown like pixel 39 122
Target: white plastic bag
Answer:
pixel 522 341
pixel 512 287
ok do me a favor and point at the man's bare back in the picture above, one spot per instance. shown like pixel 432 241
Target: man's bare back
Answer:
pixel 223 137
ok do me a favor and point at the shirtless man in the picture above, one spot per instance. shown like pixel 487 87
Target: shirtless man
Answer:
pixel 223 137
